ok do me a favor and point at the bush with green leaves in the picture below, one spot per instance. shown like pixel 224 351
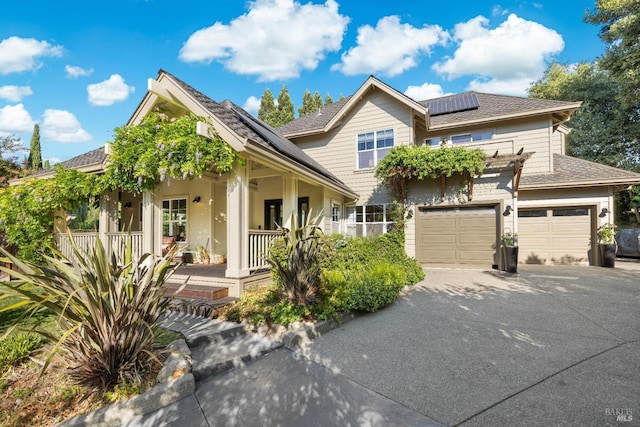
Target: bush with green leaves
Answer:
pixel 107 313
pixel 17 347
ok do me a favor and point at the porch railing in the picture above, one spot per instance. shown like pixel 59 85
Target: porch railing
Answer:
pixel 115 243
pixel 258 246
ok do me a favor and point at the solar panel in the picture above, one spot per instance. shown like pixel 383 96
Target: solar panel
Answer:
pixel 453 104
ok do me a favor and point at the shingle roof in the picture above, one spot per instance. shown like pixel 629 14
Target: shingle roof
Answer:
pixel 491 106
pixel 254 129
pixel 93 157
pixel 496 106
pixel 315 120
pixel 570 171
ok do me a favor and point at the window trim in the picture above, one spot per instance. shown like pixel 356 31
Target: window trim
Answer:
pixel 387 209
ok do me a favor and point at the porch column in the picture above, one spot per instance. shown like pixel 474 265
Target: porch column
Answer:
pixel 289 200
pixel 108 215
pixel 238 223
pixel 147 222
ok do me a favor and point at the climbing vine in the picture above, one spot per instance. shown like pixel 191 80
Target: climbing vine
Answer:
pixel 404 164
pixel 141 157
pixel 161 149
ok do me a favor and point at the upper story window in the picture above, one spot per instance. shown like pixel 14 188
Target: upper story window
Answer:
pixel 373 146
pixel 459 139
pixel 471 137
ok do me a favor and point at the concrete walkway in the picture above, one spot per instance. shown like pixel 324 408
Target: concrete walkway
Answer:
pixel 548 346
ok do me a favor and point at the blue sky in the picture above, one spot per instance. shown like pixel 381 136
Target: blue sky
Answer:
pixel 79 68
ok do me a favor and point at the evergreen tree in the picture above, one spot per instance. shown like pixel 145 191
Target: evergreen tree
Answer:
pixel 285 111
pixel 317 100
pixel 267 106
pixel 328 100
pixel 35 153
pixel 620 30
pixel 47 164
pixel 9 167
pixel 307 104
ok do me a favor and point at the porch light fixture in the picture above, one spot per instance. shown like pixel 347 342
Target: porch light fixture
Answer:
pixel 196 199
pixel 604 212
pixel 128 205
pixel 507 210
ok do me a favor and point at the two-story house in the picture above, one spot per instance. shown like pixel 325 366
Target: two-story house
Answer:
pixel 325 162
pixel 530 187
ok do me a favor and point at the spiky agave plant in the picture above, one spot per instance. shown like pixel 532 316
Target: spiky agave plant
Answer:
pixel 296 263
pixel 106 312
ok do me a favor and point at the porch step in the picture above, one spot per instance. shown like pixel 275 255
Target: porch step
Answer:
pixel 196 292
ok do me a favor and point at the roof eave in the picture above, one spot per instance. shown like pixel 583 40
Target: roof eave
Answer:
pixel 581 184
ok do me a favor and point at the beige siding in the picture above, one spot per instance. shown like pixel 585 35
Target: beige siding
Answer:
pixel 337 150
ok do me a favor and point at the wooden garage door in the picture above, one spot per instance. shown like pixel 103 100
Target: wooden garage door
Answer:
pixel 554 236
pixel 456 236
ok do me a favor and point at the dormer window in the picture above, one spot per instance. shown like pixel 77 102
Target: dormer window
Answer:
pixel 373 146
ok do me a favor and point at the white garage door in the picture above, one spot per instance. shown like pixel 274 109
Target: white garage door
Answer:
pixel 456 236
pixel 554 236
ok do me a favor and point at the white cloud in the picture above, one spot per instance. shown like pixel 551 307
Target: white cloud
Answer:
pixel 62 126
pixel 53 160
pixel 424 92
pixel 15 119
pixel 18 55
pixel 252 104
pixel 109 91
pixel 510 56
pixel 516 86
pixel 73 72
pixel 275 39
pixel 499 11
pixel 390 48
pixel 14 93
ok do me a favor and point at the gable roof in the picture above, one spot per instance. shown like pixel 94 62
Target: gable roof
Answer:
pixel 328 117
pixel 485 108
pixel 256 132
pixel 571 172
pixel 88 162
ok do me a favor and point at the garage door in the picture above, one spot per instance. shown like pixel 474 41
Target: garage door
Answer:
pixel 554 236
pixel 456 236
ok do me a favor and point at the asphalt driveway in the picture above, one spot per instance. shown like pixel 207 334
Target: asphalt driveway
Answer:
pixel 549 346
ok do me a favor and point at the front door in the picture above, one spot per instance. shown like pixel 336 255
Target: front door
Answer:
pixel 272 214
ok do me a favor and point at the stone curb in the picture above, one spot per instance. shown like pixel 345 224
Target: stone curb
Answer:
pixel 175 382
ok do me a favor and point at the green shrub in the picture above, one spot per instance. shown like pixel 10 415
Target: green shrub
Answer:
pixel 15 348
pixel 106 313
pixel 360 254
pixel 370 290
pixel 265 304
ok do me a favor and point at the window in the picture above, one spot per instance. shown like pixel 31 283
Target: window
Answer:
pixel 435 142
pixel 373 146
pixel 336 217
pixel 571 212
pixel 174 219
pixel 471 137
pixel 369 220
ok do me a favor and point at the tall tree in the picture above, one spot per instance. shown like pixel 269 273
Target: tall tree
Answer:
pixel 35 152
pixel 285 108
pixel 317 101
pixel 307 104
pixel 602 130
pixel 267 105
pixel 620 30
pixel 328 100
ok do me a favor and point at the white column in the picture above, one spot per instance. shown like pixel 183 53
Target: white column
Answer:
pixel 289 200
pixel 108 215
pixel 238 223
pixel 148 228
